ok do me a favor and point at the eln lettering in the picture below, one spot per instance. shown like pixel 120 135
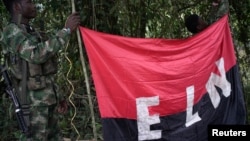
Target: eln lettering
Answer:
pixel 144 120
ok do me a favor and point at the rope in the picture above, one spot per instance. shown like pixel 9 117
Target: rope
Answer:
pixel 86 76
pixel 72 92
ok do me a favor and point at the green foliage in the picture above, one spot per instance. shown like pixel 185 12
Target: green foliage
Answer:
pixel 134 18
pixel 8 123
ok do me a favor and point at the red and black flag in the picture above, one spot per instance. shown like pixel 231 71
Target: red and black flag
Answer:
pixel 165 89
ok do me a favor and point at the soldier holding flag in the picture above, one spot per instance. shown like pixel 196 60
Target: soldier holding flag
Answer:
pixel 196 24
pixel 31 59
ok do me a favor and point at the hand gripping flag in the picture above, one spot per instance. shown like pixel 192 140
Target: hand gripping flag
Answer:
pixel 165 89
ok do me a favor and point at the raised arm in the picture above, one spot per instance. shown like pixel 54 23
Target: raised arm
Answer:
pixel 218 10
pixel 30 48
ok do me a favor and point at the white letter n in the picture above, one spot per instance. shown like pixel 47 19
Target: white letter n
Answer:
pixel 144 120
pixel 219 81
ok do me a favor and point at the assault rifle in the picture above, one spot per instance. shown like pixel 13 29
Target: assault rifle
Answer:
pixel 12 93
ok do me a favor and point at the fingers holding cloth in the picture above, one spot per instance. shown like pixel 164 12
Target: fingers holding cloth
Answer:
pixel 73 21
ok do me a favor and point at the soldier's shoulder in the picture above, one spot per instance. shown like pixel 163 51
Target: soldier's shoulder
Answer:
pixel 10 28
pixel 10 25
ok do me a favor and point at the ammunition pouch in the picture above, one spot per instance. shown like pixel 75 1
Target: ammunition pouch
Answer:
pixel 34 70
pixel 50 67
pixel 15 65
pixel 36 79
pixel 36 83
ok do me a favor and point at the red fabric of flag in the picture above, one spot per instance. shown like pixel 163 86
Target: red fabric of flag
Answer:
pixel 126 68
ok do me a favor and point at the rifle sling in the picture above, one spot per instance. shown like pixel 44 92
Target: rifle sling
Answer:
pixel 23 95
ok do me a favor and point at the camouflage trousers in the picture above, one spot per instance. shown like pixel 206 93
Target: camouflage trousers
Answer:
pixel 43 124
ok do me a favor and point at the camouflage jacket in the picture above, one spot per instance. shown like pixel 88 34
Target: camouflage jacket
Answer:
pixel 27 46
pixel 218 11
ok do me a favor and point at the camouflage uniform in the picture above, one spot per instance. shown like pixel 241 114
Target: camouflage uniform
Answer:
pixel 21 42
pixel 218 11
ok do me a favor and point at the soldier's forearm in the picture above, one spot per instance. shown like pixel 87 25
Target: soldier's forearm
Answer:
pixel 218 10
